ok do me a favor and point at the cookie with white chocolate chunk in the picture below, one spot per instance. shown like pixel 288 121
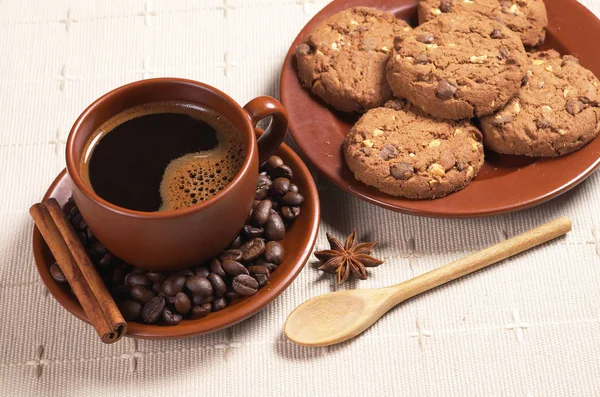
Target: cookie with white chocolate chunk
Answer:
pixel 556 112
pixel 527 18
pixel 343 60
pixel 403 152
pixel 457 66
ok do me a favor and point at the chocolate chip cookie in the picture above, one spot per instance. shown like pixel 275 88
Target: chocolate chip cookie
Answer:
pixel 457 66
pixel 403 152
pixel 527 18
pixel 555 113
pixel 343 60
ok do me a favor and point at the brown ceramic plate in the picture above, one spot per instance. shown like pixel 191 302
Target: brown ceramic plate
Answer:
pixel 504 184
pixel 298 243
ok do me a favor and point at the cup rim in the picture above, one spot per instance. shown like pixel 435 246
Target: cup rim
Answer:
pixel 72 163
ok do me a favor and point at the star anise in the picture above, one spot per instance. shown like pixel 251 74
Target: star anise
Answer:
pixel 351 257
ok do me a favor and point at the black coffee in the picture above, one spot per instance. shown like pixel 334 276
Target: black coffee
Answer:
pixel 163 156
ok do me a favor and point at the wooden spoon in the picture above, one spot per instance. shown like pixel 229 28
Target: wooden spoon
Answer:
pixel 338 316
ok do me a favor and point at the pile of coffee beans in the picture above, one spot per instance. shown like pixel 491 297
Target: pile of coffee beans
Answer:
pixel 166 298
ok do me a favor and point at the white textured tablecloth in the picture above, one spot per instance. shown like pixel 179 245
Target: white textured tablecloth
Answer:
pixel 527 327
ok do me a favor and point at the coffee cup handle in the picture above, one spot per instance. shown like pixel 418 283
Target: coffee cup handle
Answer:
pixel 265 106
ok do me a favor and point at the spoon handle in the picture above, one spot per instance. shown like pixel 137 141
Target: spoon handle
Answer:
pixel 479 260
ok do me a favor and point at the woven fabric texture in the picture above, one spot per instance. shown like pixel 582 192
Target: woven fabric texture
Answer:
pixel 527 327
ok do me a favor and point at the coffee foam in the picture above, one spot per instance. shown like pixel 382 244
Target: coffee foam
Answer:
pixel 196 177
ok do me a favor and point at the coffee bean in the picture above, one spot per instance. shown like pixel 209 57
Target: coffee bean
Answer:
pixel 244 285
pixel 270 266
pixel 74 211
pixel 282 171
pixel 446 5
pixel 201 271
pixel 82 238
pixel 156 277
pixel 171 318
pixel 289 213
pixel 262 187
pixel 445 90
pixel 118 276
pixel 260 273
pixel 170 299
pixel 141 294
pixel 272 163
pixel 294 199
pixel 89 235
pixel 199 285
pixel 57 274
pixel 274 228
pixel 232 255
pixel 219 286
pixel 119 292
pixel 274 252
pixel 130 310
pixel 496 34
pixel 136 278
pixel 261 212
pixel 200 311
pixel 216 267
pixel 253 232
pixel 186 272
pixel 293 188
pixel 233 268
pixel 97 250
pixel 219 304
pixel 280 187
pixel 402 171
pixel 78 222
pixel 426 38
pixel 574 106
pixel 106 261
pixel 173 285
pixel 275 205
pixel 137 270
pixel 236 243
pixel 200 300
pixel 182 303
pixel 231 295
pixel 254 249
pixel 157 288
pixel 152 310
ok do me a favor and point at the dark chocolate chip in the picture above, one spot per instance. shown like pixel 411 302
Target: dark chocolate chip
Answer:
pixel 389 151
pixel 496 34
pixel 421 59
pixel 303 49
pixel 426 38
pixel 574 106
pixel 445 90
pixel 402 171
pixel 446 5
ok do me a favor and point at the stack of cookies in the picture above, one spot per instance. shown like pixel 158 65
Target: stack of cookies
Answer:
pixel 424 90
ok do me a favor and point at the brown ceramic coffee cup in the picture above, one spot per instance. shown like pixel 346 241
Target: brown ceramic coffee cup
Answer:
pixel 173 240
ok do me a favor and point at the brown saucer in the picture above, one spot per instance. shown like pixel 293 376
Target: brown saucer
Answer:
pixel 298 243
pixel 505 183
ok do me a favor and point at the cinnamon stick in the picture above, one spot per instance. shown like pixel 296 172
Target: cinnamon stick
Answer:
pixel 73 260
